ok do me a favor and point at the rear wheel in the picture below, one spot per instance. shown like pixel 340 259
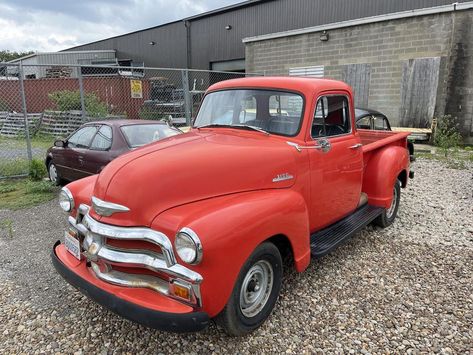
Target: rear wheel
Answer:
pixel 54 175
pixel 255 292
pixel 389 214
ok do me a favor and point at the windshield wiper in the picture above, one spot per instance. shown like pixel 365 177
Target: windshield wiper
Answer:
pixel 251 127
pixel 234 126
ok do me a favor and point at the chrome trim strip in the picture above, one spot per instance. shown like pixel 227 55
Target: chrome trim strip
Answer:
pixel 106 209
pixel 140 258
pixel 131 280
pixel 132 233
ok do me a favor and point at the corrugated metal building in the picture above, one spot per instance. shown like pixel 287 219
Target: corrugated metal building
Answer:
pixel 33 69
pixel 213 40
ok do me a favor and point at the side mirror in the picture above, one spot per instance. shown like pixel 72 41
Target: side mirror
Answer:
pixel 168 120
pixel 59 143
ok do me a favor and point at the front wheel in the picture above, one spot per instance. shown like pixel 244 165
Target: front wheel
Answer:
pixel 255 292
pixel 54 175
pixel 389 214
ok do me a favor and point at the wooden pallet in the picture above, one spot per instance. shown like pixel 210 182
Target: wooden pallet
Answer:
pixel 14 124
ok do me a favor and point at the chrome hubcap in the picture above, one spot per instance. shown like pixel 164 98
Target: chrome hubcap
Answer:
pixel 392 208
pixel 256 288
pixel 52 173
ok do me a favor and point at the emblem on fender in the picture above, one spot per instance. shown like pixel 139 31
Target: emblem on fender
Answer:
pixel 282 177
pixel 106 209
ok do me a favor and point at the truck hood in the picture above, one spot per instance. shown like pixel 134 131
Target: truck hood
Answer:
pixel 191 167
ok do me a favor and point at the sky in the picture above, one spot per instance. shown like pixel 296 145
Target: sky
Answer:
pixel 52 25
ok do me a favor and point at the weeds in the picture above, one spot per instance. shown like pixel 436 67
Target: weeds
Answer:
pixel 7 224
pixel 17 194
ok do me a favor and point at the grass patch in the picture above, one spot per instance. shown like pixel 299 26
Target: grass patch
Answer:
pixel 38 141
pixel 17 194
pixel 456 159
pixel 14 167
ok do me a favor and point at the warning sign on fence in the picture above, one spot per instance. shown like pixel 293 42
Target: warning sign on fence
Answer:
pixel 136 89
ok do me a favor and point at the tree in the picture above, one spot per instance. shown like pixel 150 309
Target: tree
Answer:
pixel 6 55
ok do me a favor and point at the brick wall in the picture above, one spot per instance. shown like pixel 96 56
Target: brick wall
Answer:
pixel 386 46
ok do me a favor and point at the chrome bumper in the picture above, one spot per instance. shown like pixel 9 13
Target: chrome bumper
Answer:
pixel 103 257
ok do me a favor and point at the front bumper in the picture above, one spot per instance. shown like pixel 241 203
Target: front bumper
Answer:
pixel 167 321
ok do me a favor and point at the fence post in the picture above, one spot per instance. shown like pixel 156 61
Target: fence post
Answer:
pixel 187 97
pixel 25 113
pixel 81 91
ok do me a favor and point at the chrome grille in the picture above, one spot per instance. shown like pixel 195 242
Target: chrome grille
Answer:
pixel 103 257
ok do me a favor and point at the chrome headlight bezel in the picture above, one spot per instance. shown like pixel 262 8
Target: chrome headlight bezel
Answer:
pixel 188 246
pixel 66 200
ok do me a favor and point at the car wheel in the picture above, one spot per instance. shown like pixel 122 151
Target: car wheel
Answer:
pixel 54 175
pixel 255 292
pixel 389 214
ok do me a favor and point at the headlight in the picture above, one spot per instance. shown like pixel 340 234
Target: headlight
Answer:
pixel 66 201
pixel 188 246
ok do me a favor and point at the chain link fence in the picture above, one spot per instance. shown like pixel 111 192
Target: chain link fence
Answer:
pixel 39 103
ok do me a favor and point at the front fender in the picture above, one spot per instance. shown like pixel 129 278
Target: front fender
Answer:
pixel 382 169
pixel 82 191
pixel 231 227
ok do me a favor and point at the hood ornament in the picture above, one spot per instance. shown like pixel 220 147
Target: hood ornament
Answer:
pixel 282 177
pixel 106 209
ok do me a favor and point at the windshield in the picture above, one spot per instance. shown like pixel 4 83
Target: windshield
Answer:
pixel 272 111
pixel 138 135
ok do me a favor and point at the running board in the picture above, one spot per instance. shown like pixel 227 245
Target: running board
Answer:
pixel 324 241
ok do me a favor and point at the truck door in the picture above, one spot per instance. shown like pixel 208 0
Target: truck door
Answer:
pixel 336 162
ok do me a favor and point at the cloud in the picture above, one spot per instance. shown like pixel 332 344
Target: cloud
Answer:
pixel 51 25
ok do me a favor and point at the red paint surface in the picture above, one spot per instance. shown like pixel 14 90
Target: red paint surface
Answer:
pixel 219 183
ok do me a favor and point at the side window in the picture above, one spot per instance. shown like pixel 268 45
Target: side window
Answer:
pixel 103 139
pixel 332 117
pixel 380 123
pixel 82 138
pixel 364 123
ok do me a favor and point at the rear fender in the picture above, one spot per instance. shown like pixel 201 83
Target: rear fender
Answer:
pixel 231 227
pixel 382 169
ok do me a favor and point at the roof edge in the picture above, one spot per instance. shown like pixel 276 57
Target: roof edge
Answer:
pixel 363 21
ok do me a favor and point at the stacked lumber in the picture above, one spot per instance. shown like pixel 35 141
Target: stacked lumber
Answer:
pixel 3 117
pixel 63 123
pixel 14 124
pixel 59 72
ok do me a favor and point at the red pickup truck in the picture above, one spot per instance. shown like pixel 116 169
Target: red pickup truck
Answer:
pixel 196 227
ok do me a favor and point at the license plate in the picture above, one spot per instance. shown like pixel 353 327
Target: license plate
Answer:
pixel 72 245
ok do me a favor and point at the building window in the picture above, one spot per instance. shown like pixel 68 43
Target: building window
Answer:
pixel 316 71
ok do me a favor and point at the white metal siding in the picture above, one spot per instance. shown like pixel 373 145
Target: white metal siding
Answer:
pixel 314 71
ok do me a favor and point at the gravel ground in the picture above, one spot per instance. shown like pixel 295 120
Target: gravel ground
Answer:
pixel 408 288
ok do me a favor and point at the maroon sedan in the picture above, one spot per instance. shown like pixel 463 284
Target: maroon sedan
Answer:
pixel 86 151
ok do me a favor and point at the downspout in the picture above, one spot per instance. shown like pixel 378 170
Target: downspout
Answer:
pixel 187 24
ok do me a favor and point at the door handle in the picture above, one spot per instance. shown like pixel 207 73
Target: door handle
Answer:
pixel 356 146
pixel 322 144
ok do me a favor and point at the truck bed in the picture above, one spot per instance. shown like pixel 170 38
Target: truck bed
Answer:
pixel 372 140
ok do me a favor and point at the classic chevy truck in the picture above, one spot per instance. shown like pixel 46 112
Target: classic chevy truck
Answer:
pixel 196 227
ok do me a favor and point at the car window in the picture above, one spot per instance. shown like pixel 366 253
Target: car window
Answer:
pixel 380 123
pixel 103 139
pixel 364 122
pixel 331 117
pixel 82 138
pixel 141 134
